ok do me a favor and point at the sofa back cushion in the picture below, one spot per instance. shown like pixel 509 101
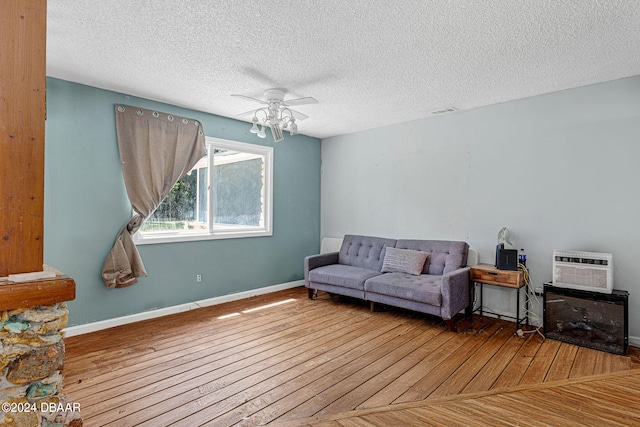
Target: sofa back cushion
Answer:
pixel 445 256
pixel 364 251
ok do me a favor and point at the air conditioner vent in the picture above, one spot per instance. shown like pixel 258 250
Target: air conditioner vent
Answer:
pixel 590 271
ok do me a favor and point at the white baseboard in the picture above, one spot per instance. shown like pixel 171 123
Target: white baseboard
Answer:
pixel 152 314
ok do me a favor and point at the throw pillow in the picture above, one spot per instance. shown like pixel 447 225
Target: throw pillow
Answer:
pixel 404 261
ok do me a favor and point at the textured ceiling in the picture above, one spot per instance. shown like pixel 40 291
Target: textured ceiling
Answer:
pixel 368 63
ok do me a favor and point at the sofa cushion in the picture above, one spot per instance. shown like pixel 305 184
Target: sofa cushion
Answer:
pixel 444 256
pixel 424 288
pixel 403 261
pixel 364 251
pixel 342 275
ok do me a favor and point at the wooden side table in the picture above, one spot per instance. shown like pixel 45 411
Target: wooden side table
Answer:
pixel 488 274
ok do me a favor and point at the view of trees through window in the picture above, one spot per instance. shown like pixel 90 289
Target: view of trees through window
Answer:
pixel 178 210
pixel 237 197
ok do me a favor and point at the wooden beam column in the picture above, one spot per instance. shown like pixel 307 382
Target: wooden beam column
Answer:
pixel 22 120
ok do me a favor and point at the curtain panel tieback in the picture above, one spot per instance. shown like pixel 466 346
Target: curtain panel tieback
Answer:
pixel 156 150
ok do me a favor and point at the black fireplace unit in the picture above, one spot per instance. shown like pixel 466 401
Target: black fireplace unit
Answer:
pixel 585 318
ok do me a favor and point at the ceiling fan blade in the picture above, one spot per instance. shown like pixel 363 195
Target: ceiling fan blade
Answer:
pixel 298 115
pixel 300 101
pixel 248 98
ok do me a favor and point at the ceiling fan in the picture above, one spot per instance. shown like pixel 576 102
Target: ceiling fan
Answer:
pixel 276 113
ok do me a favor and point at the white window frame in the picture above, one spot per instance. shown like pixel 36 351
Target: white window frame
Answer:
pixel 216 233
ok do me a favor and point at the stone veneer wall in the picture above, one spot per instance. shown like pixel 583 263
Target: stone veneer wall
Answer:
pixel 31 361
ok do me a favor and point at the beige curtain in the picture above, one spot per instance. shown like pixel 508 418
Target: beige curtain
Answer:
pixel 156 150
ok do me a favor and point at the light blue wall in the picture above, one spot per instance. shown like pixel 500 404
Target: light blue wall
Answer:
pixel 560 170
pixel 86 205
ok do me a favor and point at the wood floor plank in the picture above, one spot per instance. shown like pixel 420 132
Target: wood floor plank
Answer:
pixel 203 334
pixel 606 393
pixel 626 388
pixel 221 379
pixel 524 405
pixel 513 373
pixel 159 376
pixel 474 409
pixel 559 399
pixel 486 377
pixel 428 357
pixel 231 386
pixel 167 326
pixel 334 390
pixel 283 359
pixel 602 363
pixel 562 363
pixel 132 373
pixel 405 419
pixel 355 422
pixel 528 407
pixel 456 356
pixel 304 387
pixel 540 365
pixel 584 363
pixel 452 416
pixel 377 375
pixel 278 394
pixel 458 380
pixel 618 362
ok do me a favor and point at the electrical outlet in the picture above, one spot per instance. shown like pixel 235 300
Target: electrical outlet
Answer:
pixel 198 277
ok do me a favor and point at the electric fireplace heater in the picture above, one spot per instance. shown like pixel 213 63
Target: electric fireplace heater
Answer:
pixel 589 319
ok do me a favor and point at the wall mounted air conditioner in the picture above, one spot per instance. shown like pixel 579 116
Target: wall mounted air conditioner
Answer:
pixel 589 271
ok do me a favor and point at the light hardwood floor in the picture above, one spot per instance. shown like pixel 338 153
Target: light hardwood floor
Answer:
pixel 284 359
pixel 602 400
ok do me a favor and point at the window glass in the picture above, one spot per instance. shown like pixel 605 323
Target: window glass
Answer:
pixel 238 192
pixel 233 201
pixel 185 208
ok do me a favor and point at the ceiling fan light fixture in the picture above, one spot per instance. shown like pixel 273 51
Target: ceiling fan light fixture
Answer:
pixel 276 131
pixel 293 128
pixel 254 128
pixel 277 114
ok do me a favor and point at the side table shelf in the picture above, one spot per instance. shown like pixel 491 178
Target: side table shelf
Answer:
pixel 487 274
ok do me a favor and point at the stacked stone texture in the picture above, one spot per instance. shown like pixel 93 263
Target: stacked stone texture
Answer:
pixel 32 358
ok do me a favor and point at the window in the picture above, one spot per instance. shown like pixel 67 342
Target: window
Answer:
pixel 233 201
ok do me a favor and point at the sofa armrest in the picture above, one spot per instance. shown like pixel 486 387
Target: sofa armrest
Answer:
pixel 315 261
pixel 455 292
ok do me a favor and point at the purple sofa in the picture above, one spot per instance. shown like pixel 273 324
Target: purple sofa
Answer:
pixel 429 276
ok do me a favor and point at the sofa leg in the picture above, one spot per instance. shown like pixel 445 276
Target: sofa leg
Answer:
pixel 468 312
pixel 452 325
pixel 312 293
pixel 372 306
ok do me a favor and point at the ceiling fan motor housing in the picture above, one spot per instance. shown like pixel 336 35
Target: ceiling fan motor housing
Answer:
pixel 274 95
